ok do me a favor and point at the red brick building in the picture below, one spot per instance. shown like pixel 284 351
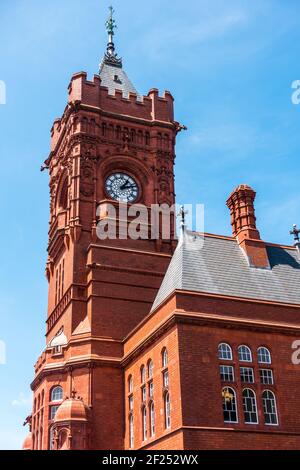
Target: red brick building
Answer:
pixel 150 343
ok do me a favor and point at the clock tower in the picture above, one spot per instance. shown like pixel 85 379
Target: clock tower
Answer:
pixel 111 147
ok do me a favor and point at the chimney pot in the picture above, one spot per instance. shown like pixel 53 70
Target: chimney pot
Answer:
pixel 243 221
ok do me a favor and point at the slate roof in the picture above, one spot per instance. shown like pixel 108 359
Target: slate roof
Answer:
pixel 108 74
pixel 218 266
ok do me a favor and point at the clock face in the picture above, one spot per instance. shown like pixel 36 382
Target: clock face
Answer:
pixel 121 187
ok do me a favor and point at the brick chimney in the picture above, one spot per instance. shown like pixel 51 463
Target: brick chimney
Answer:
pixel 243 221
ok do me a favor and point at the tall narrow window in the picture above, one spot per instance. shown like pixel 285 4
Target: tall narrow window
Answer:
pixel 166 378
pixel 225 352
pixel 167 411
pixel 229 405
pixel 144 418
pixel 164 358
pixel 245 354
pixel 130 403
pixel 130 384
pixel 270 408
pixel 151 389
pixel 144 394
pixel 250 408
pixel 143 374
pixel 131 432
pixel 152 419
pixel 264 356
pixel 150 369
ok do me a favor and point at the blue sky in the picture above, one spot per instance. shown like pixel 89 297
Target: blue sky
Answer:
pixel 229 64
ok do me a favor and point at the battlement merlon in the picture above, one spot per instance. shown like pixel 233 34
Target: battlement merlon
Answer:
pixel 151 107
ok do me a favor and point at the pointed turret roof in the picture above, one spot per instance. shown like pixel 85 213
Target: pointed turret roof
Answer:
pixel 111 68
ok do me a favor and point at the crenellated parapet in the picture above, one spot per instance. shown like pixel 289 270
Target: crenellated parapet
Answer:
pixel 151 107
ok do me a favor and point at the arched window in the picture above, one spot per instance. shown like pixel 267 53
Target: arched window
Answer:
pixel 264 356
pixel 144 419
pixel 245 354
pixel 225 352
pixel 57 394
pixel 63 195
pixel 150 369
pixel 147 138
pixel 250 407
pixel 167 411
pixel 164 355
pixel 143 374
pixel 229 405
pixel 152 419
pixel 130 384
pixel 270 408
pixel 131 432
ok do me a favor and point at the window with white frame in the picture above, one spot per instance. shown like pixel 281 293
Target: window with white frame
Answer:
pixel 244 353
pixel 144 419
pixel 250 406
pixel 166 378
pixel 247 375
pixel 152 419
pixel 165 358
pixel 266 376
pixel 131 432
pixel 143 374
pixel 270 408
pixel 57 394
pixel 225 352
pixel 264 356
pixel 167 411
pixel 229 405
pixel 151 389
pixel 130 401
pixel 227 373
pixel 53 410
pixel 150 369
pixel 144 394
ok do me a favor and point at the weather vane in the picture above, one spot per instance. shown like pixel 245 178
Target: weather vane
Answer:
pixel 111 58
pixel 111 23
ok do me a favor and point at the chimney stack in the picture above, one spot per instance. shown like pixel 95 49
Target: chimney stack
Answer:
pixel 243 221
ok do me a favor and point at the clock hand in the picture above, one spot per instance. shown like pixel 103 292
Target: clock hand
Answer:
pixel 125 186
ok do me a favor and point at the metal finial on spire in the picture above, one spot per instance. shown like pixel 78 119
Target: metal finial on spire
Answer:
pixel 111 58
pixel 296 233
pixel 182 213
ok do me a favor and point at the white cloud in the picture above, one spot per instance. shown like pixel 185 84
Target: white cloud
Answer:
pixel 22 400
